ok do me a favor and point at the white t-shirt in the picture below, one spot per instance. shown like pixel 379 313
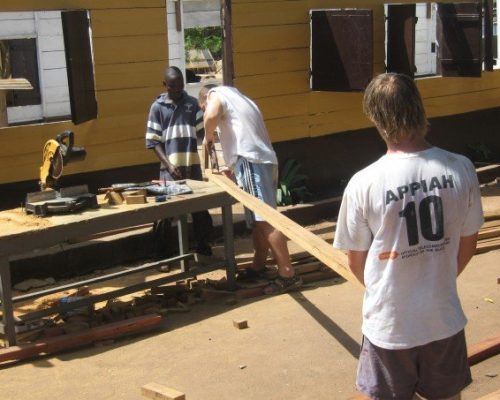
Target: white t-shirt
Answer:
pixel 409 211
pixel 242 129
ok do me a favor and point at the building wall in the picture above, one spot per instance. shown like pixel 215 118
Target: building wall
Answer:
pixel 271 65
pixel 129 40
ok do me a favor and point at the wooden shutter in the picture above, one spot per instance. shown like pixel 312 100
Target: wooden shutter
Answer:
pixel 79 65
pixel 341 49
pixel 489 45
pixel 459 39
pixel 401 20
pixel 24 64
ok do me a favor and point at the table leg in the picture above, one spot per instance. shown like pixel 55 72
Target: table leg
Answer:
pixel 182 232
pixel 227 226
pixel 6 297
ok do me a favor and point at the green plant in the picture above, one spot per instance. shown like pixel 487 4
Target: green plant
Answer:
pixel 291 185
pixel 200 38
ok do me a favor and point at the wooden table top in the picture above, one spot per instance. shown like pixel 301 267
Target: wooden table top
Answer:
pixel 21 232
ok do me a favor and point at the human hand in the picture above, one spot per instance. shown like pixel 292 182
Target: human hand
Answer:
pixel 174 172
pixel 227 172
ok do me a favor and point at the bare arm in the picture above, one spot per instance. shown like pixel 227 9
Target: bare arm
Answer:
pixel 466 249
pixel 172 170
pixel 211 117
pixel 357 261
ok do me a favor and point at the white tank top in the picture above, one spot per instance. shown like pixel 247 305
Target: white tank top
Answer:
pixel 242 128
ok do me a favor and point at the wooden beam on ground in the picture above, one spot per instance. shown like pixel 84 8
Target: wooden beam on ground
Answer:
pixel 492 396
pixel 483 350
pixel 319 248
pixel 486 233
pixel 68 341
pixel 487 245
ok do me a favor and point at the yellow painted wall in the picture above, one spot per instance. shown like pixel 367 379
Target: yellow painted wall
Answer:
pixel 271 65
pixel 129 39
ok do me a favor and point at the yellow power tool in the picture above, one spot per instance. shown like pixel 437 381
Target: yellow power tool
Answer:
pixel 56 154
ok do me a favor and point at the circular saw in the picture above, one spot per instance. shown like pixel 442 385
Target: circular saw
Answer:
pixel 56 154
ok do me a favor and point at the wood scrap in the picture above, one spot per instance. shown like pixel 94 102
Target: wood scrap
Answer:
pixel 483 350
pixel 240 323
pixel 136 199
pixel 159 392
pixel 68 341
pixel 313 244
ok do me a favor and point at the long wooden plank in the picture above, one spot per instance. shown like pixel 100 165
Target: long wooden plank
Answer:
pixel 483 350
pixel 249 39
pixel 276 84
pixel 270 13
pixel 63 342
pixel 129 22
pixel 271 61
pixel 487 246
pixel 491 396
pixel 313 244
pixel 289 128
pixel 129 49
pixel 486 233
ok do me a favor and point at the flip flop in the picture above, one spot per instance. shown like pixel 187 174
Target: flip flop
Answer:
pixel 282 285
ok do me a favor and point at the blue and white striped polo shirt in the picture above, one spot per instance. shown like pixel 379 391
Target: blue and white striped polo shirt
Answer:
pixel 176 126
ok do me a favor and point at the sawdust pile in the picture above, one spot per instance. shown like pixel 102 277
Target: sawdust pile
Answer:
pixel 17 217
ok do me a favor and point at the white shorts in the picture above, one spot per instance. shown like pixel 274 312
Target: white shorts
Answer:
pixel 259 180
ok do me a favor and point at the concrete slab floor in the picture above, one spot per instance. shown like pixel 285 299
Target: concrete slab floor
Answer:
pixel 302 345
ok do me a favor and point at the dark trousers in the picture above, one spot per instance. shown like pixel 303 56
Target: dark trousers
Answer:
pixel 166 240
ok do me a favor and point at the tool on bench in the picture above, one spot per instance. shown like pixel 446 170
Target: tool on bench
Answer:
pixel 56 154
pixel 211 155
pixel 161 190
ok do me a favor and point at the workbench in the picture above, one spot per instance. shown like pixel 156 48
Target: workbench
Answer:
pixel 21 233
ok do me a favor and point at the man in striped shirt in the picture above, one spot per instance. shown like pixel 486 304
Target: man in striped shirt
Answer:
pixel 174 124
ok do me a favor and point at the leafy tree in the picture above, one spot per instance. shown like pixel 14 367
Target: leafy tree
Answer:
pixel 200 38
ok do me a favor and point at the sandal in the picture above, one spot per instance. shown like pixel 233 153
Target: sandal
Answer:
pixel 282 285
pixel 250 274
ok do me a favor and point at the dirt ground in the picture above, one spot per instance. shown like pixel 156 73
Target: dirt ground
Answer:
pixel 302 345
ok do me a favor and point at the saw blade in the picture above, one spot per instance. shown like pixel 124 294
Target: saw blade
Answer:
pixel 57 165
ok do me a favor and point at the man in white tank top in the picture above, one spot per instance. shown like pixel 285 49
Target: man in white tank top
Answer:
pixel 409 222
pixel 249 155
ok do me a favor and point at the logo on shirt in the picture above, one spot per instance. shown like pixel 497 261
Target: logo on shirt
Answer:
pixel 189 107
pixel 388 255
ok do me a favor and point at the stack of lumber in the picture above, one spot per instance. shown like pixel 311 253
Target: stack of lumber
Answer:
pixel 489 236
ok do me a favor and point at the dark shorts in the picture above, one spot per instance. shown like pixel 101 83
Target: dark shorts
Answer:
pixel 435 370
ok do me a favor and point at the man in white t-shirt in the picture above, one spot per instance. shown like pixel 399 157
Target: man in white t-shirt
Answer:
pixel 409 222
pixel 249 155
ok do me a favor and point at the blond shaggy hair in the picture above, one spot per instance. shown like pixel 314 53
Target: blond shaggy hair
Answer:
pixel 393 103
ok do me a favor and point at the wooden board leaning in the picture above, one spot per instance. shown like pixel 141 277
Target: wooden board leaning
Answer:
pixel 314 245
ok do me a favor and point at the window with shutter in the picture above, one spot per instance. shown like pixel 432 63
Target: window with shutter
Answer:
pixel 401 21
pixel 459 39
pixel 57 61
pixel 23 64
pixel 79 63
pixel 341 49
